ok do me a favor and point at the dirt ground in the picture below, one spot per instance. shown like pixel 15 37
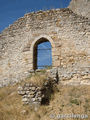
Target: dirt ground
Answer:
pixel 66 100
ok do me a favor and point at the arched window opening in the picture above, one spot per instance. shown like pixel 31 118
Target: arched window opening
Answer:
pixel 42 57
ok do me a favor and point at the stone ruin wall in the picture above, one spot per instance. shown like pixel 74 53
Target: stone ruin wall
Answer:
pixel 68 33
pixel 80 7
pixel 36 95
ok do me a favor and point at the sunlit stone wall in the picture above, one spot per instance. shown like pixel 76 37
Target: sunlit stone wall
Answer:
pixel 68 33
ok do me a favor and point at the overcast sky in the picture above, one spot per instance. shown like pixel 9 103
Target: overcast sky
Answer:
pixel 11 10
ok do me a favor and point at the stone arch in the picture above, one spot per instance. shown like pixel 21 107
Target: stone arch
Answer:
pixel 38 40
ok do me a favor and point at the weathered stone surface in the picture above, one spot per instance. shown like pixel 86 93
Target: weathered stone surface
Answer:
pixel 68 33
pixel 24 99
pixel 20 92
pixel 33 96
pixel 74 76
pixel 81 7
pixel 33 88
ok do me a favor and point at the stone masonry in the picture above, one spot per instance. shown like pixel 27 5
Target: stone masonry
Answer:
pixel 35 95
pixel 68 33
pixel 81 7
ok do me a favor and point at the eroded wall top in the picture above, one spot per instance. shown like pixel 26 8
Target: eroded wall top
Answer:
pixel 81 7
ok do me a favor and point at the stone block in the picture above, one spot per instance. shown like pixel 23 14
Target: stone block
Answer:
pixel 56 63
pixel 33 88
pixel 33 99
pixel 24 99
pixel 27 92
pixel 32 93
pixel 21 92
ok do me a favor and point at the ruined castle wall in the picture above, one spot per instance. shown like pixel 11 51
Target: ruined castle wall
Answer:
pixel 80 7
pixel 68 33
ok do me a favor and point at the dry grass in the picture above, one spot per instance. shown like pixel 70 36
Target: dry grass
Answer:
pixel 37 79
pixel 65 100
